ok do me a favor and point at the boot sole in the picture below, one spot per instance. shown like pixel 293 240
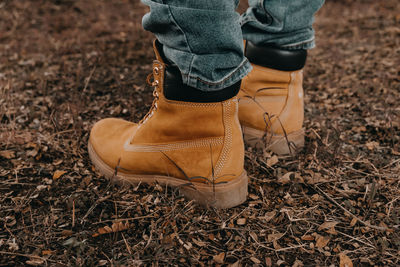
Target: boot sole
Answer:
pixel 222 196
pixel 279 144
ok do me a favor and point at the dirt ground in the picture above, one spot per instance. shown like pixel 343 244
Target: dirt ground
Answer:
pixel 66 64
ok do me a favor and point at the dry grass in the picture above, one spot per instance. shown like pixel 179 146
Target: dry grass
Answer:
pixel 66 64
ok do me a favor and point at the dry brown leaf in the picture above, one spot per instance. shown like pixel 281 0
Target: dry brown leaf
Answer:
pixel 359 129
pixel 235 264
pixel 47 252
pixel 328 227
pixel 272 161
pixel 285 179
pixel 274 237
pixel 270 215
pixel 316 178
pixel 353 222
pixel 219 258
pixel 254 236
pixel 188 245
pixel 67 233
pixel 58 162
pixel 332 231
pixel 280 262
pixel 32 153
pixel 253 197
pixel 322 241
pixel 268 261
pixel 276 245
pixel 58 174
pixel 297 263
pixel 115 227
pixel 316 197
pixel 241 221
pixel 307 238
pixel 35 262
pixel 199 242
pixel 255 260
pixel 345 261
pixel 298 178
pixel 372 145
pixel 8 154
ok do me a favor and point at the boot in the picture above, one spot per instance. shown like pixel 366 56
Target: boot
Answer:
pixel 271 109
pixel 196 147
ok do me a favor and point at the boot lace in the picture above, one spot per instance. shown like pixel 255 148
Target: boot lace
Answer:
pixel 154 106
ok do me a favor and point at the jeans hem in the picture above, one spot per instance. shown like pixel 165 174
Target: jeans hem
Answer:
pixel 233 77
pixel 308 44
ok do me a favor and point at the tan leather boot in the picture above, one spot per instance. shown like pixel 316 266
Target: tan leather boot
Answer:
pixel 271 109
pixel 197 147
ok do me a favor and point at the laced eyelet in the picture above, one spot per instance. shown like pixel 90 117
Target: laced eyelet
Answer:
pixel 154 83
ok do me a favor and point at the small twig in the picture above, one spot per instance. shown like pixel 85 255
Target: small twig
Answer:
pixel 62 132
pixel 390 164
pixel 391 205
pixel 150 237
pixel 73 213
pixel 126 244
pixel 356 239
pixel 348 212
pixel 94 206
pixel 88 80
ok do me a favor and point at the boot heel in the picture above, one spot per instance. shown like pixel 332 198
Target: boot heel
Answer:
pixel 222 196
pixel 279 144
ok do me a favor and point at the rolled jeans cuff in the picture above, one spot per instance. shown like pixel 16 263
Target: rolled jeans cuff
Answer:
pixel 197 81
pixel 202 38
pixel 285 24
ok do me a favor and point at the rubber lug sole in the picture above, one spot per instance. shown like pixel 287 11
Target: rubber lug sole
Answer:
pixel 222 196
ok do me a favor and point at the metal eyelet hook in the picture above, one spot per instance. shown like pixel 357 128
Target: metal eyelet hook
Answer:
pixel 155 93
pixel 152 83
pixel 156 70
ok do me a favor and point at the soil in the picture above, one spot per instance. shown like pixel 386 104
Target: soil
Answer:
pixel 66 64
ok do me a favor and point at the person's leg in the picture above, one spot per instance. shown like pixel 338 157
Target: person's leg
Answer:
pixel 191 137
pixel 203 38
pixel 271 108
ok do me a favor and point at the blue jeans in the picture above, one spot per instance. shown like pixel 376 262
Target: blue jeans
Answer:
pixel 204 38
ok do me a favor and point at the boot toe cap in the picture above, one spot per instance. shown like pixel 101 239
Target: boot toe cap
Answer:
pixel 107 139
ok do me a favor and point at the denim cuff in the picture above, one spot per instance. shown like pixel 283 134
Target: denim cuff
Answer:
pixel 286 24
pixel 307 44
pixel 202 38
pixel 196 81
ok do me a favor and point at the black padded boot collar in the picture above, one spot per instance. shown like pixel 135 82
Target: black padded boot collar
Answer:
pixel 276 58
pixel 174 89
